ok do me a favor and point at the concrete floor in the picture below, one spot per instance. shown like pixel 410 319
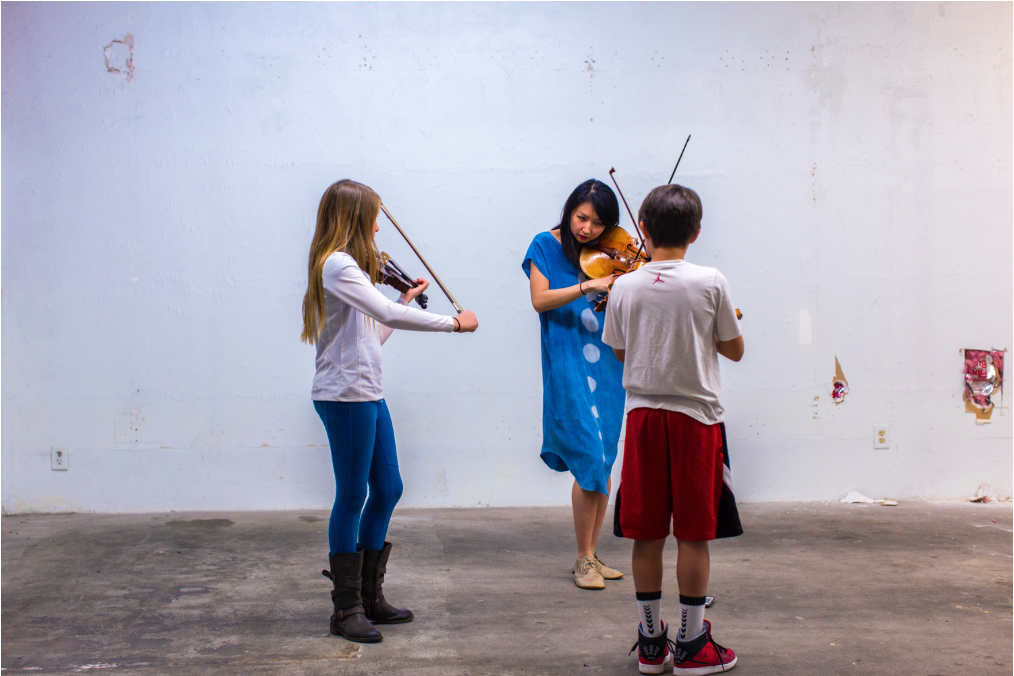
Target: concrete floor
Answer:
pixel 810 589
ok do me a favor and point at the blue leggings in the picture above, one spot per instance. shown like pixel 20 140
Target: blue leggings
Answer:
pixel 364 455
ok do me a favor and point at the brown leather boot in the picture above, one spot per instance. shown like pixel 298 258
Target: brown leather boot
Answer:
pixel 378 610
pixel 349 618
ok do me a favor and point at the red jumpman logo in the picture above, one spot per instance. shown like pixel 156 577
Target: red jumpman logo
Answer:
pixel 658 279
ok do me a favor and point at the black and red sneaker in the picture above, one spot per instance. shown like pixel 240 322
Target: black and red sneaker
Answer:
pixel 653 652
pixel 701 655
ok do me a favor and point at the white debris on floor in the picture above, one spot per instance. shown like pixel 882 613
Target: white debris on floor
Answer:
pixel 986 493
pixel 855 497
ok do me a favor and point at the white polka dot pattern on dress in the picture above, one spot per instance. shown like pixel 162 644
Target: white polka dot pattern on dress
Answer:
pixel 591 353
pixel 595 412
pixel 592 384
pixel 589 320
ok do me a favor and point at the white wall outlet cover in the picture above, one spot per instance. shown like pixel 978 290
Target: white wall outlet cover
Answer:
pixel 58 458
pixel 881 436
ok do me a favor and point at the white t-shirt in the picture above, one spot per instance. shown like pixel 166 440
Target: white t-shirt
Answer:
pixel 348 347
pixel 666 315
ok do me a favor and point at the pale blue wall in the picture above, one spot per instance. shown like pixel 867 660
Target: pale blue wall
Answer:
pixel 854 162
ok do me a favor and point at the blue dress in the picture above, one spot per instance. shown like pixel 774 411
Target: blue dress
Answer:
pixel 582 380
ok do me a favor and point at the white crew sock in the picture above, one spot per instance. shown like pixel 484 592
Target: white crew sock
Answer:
pixel 691 617
pixel 649 606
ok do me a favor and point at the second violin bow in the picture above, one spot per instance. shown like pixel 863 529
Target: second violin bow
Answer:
pixel 678 160
pixel 739 315
pixel 436 279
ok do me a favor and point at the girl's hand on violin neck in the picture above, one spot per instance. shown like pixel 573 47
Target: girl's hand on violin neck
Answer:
pixel 598 285
pixel 416 290
pixel 467 322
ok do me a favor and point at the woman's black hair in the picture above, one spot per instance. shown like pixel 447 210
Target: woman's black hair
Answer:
pixel 601 197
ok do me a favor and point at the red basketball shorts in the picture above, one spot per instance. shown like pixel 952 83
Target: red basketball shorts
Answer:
pixel 672 471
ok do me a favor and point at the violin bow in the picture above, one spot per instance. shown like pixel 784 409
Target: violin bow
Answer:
pixel 678 160
pixel 616 182
pixel 425 264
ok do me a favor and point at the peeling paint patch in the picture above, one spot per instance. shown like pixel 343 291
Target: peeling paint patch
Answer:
pixel 982 415
pixel 119 55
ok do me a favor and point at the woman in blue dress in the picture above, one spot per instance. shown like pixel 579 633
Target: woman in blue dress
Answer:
pixel 583 396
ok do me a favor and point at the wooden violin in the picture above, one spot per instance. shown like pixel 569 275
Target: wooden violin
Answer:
pixel 391 274
pixel 615 252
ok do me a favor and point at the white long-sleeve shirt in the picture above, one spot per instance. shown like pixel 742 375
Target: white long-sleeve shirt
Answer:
pixel 348 347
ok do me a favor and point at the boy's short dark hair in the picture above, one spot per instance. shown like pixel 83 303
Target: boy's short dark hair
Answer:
pixel 671 215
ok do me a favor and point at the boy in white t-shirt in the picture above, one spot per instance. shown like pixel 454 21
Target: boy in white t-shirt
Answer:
pixel 668 321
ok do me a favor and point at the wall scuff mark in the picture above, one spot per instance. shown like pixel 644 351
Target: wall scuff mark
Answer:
pixel 119 56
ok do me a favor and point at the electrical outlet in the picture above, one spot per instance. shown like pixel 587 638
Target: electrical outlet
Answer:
pixel 58 458
pixel 881 436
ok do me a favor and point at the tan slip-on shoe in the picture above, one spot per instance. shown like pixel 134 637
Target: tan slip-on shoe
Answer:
pixel 585 574
pixel 605 571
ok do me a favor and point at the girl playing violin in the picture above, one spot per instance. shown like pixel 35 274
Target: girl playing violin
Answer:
pixel 582 405
pixel 349 319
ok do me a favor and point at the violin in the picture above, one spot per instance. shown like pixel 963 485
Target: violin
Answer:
pixel 391 274
pixel 615 252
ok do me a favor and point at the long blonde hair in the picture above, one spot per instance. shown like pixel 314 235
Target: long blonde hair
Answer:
pixel 345 221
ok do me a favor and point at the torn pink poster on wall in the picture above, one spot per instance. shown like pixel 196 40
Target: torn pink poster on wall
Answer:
pixel 839 386
pixel 983 380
